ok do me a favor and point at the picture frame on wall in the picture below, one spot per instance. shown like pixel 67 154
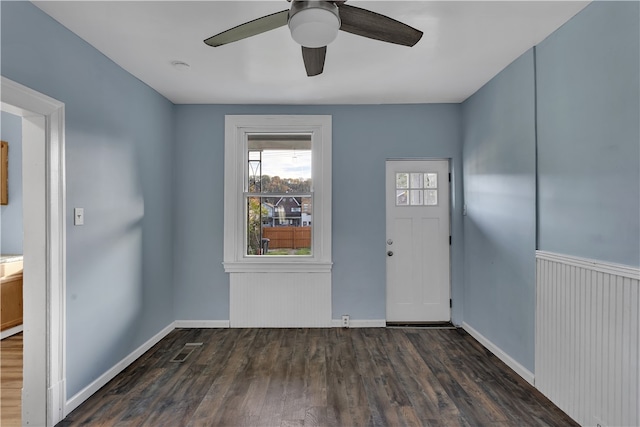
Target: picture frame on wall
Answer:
pixel 4 176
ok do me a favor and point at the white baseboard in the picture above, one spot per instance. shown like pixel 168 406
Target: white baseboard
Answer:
pixel 201 324
pixel 360 323
pixel 497 351
pixel 89 390
pixel 11 331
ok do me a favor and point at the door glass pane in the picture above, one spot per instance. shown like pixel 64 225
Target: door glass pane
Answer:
pixel 416 180
pixel 402 198
pixel 431 197
pixel 430 180
pixel 402 180
pixel 416 197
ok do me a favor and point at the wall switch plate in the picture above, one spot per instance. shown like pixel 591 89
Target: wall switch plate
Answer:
pixel 78 216
pixel 345 320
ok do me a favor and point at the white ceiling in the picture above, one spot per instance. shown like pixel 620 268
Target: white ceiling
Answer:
pixel 465 44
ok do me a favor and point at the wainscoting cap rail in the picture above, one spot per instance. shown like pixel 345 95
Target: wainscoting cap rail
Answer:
pixel 600 266
pixel 271 266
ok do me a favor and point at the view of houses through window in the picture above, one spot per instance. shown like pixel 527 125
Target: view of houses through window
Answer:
pixel 279 196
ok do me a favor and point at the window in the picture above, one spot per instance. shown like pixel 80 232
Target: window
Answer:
pixel 416 189
pixel 279 168
pixel 277 182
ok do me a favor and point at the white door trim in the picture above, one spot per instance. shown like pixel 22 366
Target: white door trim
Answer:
pixel 44 389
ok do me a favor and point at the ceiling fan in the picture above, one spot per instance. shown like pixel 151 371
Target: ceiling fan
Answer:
pixel 315 24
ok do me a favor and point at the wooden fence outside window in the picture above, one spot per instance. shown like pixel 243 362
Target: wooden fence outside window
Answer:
pixel 287 237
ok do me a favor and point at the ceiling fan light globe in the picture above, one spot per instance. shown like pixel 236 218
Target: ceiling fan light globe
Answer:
pixel 314 27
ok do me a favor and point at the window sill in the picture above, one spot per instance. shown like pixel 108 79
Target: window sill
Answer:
pixel 274 266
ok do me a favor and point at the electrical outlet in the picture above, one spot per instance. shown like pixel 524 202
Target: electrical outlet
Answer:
pixel 345 320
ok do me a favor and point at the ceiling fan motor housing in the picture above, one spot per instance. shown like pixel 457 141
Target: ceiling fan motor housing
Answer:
pixel 314 23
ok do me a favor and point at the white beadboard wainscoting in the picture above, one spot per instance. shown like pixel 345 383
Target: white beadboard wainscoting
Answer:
pixel 587 339
pixel 280 300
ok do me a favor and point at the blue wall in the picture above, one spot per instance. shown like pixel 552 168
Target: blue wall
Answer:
pixel 363 137
pixel 500 194
pixel 589 137
pixel 119 137
pixel 11 214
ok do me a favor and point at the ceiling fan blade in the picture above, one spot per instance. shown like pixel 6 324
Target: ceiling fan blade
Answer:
pixel 314 59
pixel 366 23
pixel 251 28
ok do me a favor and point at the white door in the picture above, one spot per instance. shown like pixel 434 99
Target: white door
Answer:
pixel 417 196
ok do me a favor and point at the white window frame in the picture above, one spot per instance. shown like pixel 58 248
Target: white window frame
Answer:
pixel 237 129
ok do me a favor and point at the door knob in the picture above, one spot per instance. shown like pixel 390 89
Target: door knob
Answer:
pixel 390 253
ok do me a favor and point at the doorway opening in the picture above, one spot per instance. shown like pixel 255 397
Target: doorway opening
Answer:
pixel 43 392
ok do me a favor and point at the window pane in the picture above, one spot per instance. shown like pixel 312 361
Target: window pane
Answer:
pixel 402 180
pixel 280 223
pixel 255 214
pixel 416 180
pixel 430 180
pixel 431 197
pixel 402 198
pixel 416 197
pixel 279 163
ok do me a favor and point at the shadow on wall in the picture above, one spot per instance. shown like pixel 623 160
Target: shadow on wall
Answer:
pixel 110 267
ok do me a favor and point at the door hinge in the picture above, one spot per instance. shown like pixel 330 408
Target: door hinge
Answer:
pixel 449 240
pixel 449 176
pixel 450 303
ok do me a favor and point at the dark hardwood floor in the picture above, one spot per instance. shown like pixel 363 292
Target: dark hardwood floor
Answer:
pixel 318 377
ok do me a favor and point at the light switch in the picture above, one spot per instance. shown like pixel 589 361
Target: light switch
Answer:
pixel 78 216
